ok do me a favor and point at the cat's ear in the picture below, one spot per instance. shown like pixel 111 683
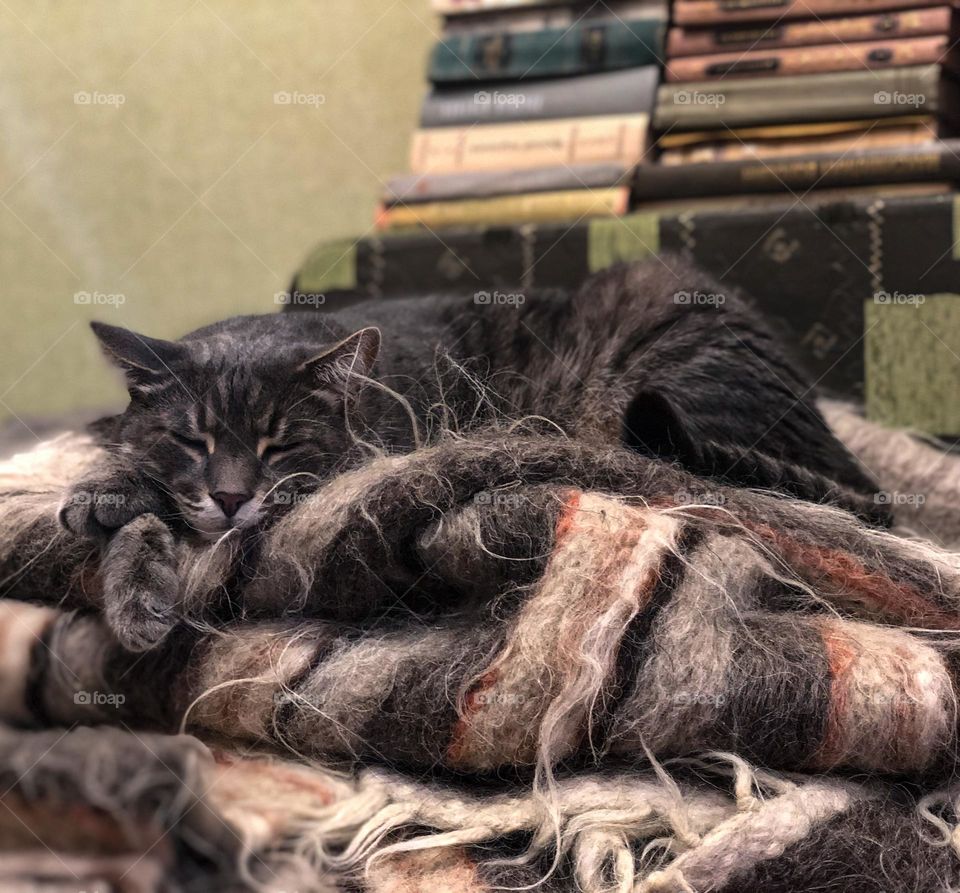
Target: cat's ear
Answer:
pixel 146 362
pixel 655 426
pixel 341 368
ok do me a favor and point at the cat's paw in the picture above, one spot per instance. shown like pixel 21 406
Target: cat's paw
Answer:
pixel 95 508
pixel 140 583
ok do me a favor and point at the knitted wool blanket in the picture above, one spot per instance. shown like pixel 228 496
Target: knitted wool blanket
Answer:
pixel 500 661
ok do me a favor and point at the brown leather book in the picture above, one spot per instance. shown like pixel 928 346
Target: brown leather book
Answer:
pixel 809 60
pixel 809 199
pixel 796 131
pixel 708 12
pixel 935 162
pixel 849 29
pixel 878 138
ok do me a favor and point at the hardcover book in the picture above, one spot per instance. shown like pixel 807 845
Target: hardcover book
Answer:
pixel 810 60
pixel 540 17
pixel 535 207
pixel 585 46
pixel 411 189
pixel 816 264
pixel 621 139
pixel 903 137
pixel 456 7
pixel 803 131
pixel 891 92
pixel 848 29
pixel 606 93
pixel 707 12
pixel 937 162
pixel 814 198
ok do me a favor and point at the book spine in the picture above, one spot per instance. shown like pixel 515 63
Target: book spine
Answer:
pixel 618 139
pixel 809 60
pixel 886 25
pixel 835 169
pixel 901 138
pixel 537 18
pixel 533 208
pixel 608 93
pixel 456 7
pixel 807 98
pixel 804 130
pixel 586 46
pixel 707 12
pixel 413 189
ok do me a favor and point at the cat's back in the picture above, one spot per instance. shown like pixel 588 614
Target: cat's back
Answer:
pixel 405 317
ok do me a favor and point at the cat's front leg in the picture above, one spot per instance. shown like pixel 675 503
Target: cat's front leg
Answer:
pixel 98 506
pixel 141 585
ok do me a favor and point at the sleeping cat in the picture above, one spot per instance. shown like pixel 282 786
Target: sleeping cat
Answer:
pixel 221 416
pixel 226 426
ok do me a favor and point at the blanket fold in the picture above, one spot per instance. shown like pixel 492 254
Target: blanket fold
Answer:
pixel 582 622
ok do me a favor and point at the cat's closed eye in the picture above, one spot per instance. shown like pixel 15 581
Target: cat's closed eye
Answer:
pixel 278 450
pixel 193 444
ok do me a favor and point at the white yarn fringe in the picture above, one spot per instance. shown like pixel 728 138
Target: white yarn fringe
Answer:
pixel 601 820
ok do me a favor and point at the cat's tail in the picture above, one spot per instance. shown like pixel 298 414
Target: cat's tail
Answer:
pixel 740 466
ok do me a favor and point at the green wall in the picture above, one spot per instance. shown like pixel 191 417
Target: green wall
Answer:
pixel 183 186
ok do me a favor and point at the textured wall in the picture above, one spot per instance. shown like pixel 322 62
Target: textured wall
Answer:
pixel 182 185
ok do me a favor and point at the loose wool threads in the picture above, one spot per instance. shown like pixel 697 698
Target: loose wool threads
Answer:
pixel 514 607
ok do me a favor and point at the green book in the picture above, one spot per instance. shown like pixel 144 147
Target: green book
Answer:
pixel 587 46
pixel 806 98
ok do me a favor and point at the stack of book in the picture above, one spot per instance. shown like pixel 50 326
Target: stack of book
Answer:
pixel 764 96
pixel 537 112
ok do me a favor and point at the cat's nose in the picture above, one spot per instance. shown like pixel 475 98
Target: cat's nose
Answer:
pixel 230 502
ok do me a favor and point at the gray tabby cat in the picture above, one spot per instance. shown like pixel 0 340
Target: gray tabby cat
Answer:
pixel 226 426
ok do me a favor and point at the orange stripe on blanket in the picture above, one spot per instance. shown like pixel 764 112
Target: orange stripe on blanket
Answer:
pixel 891 700
pixel 855 585
pixel 561 646
pixel 571 505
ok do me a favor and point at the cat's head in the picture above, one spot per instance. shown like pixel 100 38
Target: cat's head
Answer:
pixel 229 429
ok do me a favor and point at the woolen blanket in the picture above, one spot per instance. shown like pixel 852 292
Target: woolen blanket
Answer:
pixel 502 660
